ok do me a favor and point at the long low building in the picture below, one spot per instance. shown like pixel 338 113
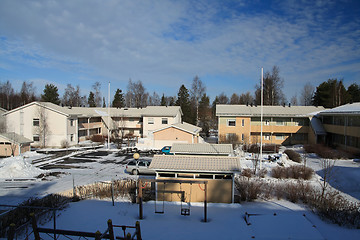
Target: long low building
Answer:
pixel 281 124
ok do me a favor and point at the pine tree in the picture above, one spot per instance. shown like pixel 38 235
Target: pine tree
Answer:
pixel 91 100
pixel 119 100
pixel 184 102
pixel 50 94
pixel 163 100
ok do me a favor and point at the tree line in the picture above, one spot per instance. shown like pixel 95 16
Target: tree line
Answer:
pixel 194 101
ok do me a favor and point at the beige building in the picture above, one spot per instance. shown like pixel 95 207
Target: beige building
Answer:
pixel 218 171
pixel 51 125
pixel 281 124
pixel 12 144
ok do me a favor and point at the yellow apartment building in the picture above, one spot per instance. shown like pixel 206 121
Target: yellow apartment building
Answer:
pixel 283 125
pixel 342 125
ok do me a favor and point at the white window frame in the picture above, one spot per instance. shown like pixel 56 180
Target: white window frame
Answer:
pixel 36 136
pixel 267 137
pixel 242 122
pixel 267 122
pixel 150 120
pixel 231 120
pixel 164 121
pixel 71 137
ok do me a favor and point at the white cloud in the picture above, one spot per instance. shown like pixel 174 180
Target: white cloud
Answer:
pixel 169 42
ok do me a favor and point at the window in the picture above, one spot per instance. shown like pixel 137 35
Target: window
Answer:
pixel 242 137
pixel 71 137
pixel 243 122
pixel 164 121
pixel 131 119
pixel 71 122
pixel 36 122
pixel 231 136
pixel 280 122
pixel 279 137
pixel 231 122
pixel 266 137
pixel 267 122
pixel 36 138
pixel 151 121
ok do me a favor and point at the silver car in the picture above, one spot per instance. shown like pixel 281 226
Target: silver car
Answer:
pixel 140 166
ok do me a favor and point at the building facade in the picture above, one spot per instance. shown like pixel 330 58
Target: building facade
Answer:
pixel 283 125
pixel 51 125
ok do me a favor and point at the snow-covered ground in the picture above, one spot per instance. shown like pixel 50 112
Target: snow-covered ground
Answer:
pixel 268 220
pixel 18 182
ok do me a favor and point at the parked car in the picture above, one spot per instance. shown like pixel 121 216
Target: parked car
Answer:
pixel 166 150
pixel 139 166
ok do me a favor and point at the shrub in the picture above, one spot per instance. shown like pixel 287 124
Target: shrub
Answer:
pixel 249 190
pixel 295 172
pixel 247 172
pixel 294 156
pixel 65 143
pixel 97 138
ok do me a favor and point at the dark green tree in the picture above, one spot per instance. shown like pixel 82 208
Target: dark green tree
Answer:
pixel 353 93
pixel 205 114
pixel 330 94
pixel 184 102
pixel 163 100
pixel 50 94
pixel 119 100
pixel 91 100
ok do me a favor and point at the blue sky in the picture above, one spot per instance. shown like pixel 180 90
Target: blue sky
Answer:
pixel 167 43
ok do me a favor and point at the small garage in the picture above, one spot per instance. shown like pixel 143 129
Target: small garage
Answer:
pixel 217 171
pixel 12 144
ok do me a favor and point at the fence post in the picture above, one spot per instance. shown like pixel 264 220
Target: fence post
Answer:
pixel 112 192
pixel 138 231
pixel 111 230
pixel 11 232
pixel 74 191
pixel 34 226
pixel 140 200
pixel 98 235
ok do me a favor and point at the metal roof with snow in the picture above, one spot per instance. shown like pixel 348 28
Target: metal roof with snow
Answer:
pixel 202 148
pixel 347 109
pixel 187 127
pixel 16 138
pixel 187 163
pixel 276 111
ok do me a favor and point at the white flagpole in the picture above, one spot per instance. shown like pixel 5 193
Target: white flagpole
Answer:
pixel 109 116
pixel 261 115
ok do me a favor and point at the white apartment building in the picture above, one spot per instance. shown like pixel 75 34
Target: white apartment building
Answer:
pixel 48 124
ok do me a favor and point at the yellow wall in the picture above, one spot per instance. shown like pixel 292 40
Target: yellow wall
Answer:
pixel 174 134
pixel 218 191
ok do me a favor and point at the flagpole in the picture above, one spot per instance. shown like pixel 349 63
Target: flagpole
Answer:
pixel 109 116
pixel 261 115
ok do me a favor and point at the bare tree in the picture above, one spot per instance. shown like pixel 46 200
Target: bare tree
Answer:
pixel 328 174
pixel 72 96
pixel 97 93
pixel 235 99
pixel 307 94
pixel 294 100
pixel 222 99
pixel 6 93
pixel 197 91
pixel 246 98
pixel 136 95
pixel 273 85
pixel 154 99
pixel 43 129
pixel 27 93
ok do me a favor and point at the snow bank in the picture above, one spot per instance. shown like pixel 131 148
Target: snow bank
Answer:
pixel 18 167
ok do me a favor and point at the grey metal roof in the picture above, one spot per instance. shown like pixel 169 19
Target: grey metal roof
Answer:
pixel 14 137
pixel 155 111
pixel 243 110
pixel 347 109
pixel 202 148
pixel 183 126
pixel 195 163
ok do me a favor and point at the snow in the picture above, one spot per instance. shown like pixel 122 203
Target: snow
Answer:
pixel 225 220
pixel 18 167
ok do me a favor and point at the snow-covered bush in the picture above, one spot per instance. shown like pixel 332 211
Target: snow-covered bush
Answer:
pixel 294 156
pixel 295 172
